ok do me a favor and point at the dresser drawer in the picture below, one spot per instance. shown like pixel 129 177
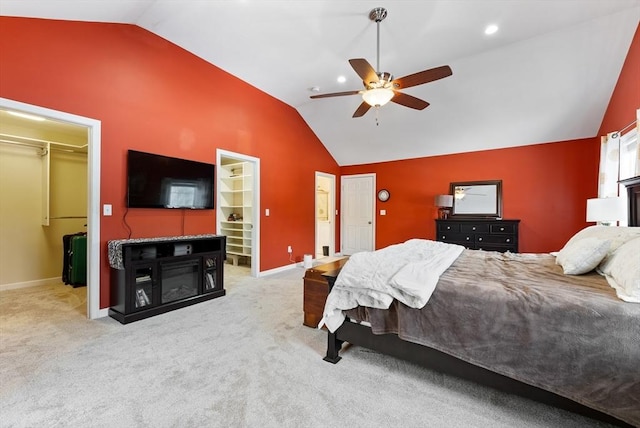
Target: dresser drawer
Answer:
pixel 474 228
pixel 456 238
pixel 494 239
pixel 502 228
pixel 454 227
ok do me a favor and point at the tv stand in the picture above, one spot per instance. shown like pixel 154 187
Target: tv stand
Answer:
pixel 155 275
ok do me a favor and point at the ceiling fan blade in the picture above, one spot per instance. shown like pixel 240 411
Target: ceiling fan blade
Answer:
pixel 335 94
pixel 422 77
pixel 364 107
pixel 409 101
pixel 364 70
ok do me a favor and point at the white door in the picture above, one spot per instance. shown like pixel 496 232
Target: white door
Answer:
pixel 357 213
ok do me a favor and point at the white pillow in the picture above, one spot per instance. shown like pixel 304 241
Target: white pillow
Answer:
pixel 582 255
pixel 616 235
pixel 622 270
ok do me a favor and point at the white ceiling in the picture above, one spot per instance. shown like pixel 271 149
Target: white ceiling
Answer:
pixel 547 75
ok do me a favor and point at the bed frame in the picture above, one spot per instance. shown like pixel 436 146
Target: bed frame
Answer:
pixel 389 344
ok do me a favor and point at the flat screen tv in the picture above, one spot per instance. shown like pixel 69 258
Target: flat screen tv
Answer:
pixel 156 181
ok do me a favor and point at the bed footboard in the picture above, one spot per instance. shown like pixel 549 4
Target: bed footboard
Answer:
pixel 391 344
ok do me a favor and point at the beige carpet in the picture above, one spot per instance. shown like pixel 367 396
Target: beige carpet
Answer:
pixel 242 360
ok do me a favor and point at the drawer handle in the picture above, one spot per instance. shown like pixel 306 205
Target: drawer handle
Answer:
pixel 479 239
pixel 508 240
pixel 473 228
pixel 502 229
pixel 467 238
pixel 444 237
pixel 448 227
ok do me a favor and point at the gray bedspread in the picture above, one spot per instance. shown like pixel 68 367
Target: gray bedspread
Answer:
pixel 520 316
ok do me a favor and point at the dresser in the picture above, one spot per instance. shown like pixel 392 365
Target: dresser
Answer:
pixel 480 234
pixel 316 290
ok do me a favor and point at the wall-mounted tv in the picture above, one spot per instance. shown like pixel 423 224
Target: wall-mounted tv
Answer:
pixel 156 181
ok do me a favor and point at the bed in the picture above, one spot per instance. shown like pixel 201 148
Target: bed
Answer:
pixel 567 334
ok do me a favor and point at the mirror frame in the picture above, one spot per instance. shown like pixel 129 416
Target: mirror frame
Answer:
pixel 496 202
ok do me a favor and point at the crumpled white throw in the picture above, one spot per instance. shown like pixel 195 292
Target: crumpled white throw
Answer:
pixel 407 272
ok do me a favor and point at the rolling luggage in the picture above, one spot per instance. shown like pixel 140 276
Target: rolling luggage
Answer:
pixel 66 249
pixel 74 269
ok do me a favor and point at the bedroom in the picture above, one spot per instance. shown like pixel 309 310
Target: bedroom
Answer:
pixel 91 71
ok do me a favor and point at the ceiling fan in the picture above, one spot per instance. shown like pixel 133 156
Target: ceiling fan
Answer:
pixel 381 87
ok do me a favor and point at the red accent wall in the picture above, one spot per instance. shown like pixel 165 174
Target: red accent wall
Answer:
pixel 153 96
pixel 626 95
pixel 545 186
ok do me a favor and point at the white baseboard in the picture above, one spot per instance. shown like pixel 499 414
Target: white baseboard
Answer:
pixel 34 283
pixel 279 269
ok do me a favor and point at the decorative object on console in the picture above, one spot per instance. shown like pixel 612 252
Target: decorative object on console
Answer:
pixel 477 199
pixel 444 204
pixel 606 211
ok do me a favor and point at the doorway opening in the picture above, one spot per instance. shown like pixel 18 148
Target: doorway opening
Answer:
pixel 238 209
pixel 93 192
pixel 325 224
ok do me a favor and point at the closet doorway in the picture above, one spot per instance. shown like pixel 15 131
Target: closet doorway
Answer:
pixel 238 208
pixel 91 129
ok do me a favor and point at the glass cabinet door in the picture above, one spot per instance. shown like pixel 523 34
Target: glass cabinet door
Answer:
pixel 211 280
pixel 144 277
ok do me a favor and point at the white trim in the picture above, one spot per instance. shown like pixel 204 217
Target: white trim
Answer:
pixel 28 284
pixel 279 269
pixel 93 193
pixel 255 246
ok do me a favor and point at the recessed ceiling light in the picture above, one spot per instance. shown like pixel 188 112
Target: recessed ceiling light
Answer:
pixel 342 79
pixel 26 116
pixel 491 29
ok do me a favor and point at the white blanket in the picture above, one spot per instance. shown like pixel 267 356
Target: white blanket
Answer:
pixel 407 272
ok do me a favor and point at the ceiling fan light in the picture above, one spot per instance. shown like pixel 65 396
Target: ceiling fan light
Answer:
pixel 377 97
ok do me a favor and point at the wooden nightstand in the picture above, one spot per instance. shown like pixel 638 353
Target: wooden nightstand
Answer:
pixel 316 290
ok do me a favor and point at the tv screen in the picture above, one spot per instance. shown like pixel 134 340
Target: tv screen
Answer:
pixel 155 181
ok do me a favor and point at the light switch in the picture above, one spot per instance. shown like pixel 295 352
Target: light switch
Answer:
pixel 107 210
pixel 266 212
pixel 383 212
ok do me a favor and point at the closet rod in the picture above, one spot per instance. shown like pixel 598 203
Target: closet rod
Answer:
pixel 37 140
pixel 40 146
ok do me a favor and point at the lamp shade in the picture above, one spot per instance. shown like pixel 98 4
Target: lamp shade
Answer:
pixel 377 97
pixel 606 209
pixel 444 201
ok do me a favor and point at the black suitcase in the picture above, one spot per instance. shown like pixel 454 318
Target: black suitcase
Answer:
pixel 66 256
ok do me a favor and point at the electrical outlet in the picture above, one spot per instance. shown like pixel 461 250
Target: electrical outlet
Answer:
pixel 289 249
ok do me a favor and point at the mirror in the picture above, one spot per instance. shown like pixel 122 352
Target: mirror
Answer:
pixel 479 199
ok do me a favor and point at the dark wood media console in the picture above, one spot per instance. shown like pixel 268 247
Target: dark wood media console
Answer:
pixel 157 275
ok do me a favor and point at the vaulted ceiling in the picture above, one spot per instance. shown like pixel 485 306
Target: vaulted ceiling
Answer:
pixel 546 75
